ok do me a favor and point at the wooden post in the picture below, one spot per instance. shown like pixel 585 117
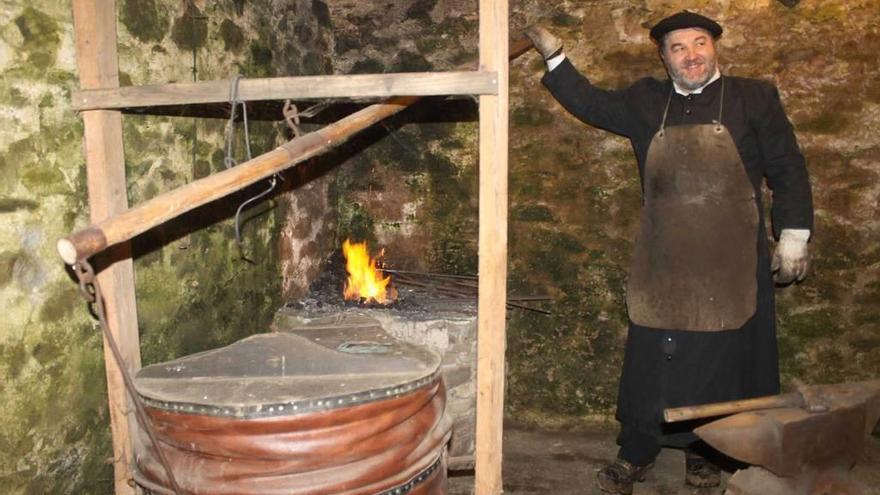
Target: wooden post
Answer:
pixel 492 249
pixel 95 30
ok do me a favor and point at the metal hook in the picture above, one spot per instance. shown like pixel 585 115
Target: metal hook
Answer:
pixel 85 275
pixel 291 116
pixel 272 182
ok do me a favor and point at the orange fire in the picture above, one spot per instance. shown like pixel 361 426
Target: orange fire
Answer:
pixel 364 280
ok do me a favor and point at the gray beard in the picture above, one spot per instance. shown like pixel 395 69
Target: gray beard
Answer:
pixel 690 86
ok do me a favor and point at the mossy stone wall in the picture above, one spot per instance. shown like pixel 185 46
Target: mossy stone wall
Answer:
pixel 409 186
pixel 412 188
pixel 194 291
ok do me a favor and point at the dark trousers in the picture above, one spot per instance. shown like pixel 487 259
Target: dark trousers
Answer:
pixel 637 448
pixel 640 448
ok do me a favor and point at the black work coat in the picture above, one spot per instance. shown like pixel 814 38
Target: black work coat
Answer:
pixel 671 368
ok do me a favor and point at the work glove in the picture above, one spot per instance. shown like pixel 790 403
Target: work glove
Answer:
pixel 791 259
pixel 547 44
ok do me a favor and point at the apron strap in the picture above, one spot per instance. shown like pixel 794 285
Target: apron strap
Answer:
pixel 666 110
pixel 720 126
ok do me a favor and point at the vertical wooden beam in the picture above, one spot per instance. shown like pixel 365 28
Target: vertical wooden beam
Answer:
pixel 95 31
pixel 492 249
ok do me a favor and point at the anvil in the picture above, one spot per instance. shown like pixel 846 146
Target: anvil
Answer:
pixel 807 446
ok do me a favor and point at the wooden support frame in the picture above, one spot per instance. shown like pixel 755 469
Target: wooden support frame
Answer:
pixel 95 32
pixel 491 300
pixel 299 88
pixel 95 29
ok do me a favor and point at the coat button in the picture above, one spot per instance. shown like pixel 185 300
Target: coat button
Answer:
pixel 668 357
pixel 687 111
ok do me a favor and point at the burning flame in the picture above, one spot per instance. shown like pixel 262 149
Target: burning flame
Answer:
pixel 364 280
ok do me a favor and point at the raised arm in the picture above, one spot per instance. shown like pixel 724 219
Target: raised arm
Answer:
pixel 606 109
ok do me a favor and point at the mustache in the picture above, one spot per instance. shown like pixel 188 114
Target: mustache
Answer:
pixel 693 62
pixel 680 73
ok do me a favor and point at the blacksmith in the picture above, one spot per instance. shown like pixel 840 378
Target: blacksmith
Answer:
pixel 700 290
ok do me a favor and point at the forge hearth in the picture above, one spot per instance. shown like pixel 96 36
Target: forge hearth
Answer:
pixel 444 325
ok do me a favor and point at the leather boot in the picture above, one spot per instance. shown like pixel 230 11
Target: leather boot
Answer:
pixel 699 471
pixel 619 476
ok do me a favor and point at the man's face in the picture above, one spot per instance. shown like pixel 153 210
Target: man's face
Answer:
pixel 689 55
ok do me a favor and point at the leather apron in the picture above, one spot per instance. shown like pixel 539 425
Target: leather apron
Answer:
pixel 695 260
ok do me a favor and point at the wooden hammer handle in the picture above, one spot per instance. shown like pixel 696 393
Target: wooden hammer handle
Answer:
pixel 676 414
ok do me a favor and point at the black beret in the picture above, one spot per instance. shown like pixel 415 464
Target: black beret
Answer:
pixel 683 20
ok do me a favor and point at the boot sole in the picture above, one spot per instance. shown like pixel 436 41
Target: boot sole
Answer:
pixel 611 486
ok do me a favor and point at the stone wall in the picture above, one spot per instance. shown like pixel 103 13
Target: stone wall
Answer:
pixel 194 292
pixel 412 187
pixel 409 186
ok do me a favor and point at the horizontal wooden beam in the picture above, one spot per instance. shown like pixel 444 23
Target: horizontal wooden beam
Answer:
pixel 297 88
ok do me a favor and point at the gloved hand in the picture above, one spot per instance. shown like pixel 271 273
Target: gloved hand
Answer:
pixel 791 259
pixel 547 44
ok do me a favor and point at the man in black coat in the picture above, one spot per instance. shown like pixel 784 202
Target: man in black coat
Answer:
pixel 700 290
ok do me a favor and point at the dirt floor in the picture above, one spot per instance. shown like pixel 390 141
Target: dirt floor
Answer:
pixel 540 462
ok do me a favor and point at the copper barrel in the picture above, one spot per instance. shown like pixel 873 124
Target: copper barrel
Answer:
pixel 319 410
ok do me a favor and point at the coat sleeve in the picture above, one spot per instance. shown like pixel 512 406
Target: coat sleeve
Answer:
pixel 784 164
pixel 605 109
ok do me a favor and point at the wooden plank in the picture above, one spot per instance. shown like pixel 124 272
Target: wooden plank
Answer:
pixel 492 249
pixel 298 88
pixel 95 32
